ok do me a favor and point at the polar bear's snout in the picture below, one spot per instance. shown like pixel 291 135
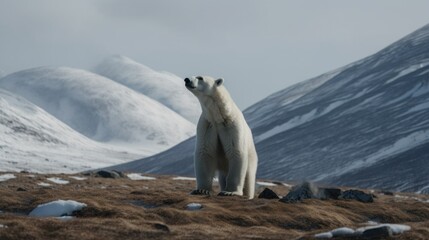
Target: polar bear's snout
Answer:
pixel 189 83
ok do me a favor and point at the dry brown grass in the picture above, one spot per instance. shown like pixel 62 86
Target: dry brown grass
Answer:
pixel 145 209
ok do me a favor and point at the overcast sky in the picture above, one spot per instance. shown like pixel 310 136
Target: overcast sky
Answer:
pixel 258 47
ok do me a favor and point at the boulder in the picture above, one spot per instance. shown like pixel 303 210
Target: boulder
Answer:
pixel 268 194
pixel 109 174
pixel 330 193
pixel 300 192
pixel 377 233
pixel 357 195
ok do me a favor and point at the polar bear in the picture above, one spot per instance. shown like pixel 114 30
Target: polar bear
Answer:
pixel 224 141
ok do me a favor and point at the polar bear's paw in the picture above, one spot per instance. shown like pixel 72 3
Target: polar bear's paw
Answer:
pixel 225 193
pixel 200 192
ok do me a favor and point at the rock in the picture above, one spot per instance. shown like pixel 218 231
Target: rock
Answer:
pixel 357 195
pixel 377 233
pixel 301 192
pixel 268 194
pixel 20 189
pixel 343 232
pixel 109 174
pixel 329 193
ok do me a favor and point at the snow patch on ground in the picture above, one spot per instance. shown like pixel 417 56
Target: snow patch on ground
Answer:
pixel 3 226
pixel 324 235
pixel 78 178
pixel 194 206
pixel 43 184
pixel 6 177
pixel 57 208
pixel 138 176
pixel 266 184
pixel 58 180
pixel 185 178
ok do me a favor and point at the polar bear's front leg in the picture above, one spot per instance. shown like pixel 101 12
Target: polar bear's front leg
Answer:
pixel 236 154
pixel 204 172
pixel 205 168
pixel 236 175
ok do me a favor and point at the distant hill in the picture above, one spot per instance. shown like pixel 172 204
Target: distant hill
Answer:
pixel 164 87
pixel 33 140
pixel 100 108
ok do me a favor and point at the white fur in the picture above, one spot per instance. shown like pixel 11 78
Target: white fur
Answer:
pixel 224 141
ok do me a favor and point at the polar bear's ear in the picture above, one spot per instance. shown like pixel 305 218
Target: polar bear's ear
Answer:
pixel 219 82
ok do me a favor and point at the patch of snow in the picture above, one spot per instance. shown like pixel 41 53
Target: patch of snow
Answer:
pixel 401 145
pixel 296 121
pixel 372 223
pixel 3 226
pixel 185 178
pixel 31 175
pixel 138 176
pixel 57 208
pixel 78 178
pixel 299 120
pixel 423 189
pixel 324 235
pixel 6 177
pixel 266 184
pixel 422 106
pixel 43 184
pixel 407 197
pixel 344 231
pixel 65 218
pixel 194 206
pixel 58 180
pixel 404 72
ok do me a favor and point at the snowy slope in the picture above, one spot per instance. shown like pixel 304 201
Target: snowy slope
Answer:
pixel 100 108
pixel 362 125
pixel 164 87
pixel 32 139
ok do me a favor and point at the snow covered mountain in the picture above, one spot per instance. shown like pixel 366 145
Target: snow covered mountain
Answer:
pixel 32 139
pixel 100 108
pixel 365 125
pixel 164 87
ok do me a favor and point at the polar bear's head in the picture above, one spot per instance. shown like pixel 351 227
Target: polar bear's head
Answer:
pixel 203 85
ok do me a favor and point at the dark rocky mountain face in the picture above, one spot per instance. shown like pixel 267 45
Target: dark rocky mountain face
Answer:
pixel 365 125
